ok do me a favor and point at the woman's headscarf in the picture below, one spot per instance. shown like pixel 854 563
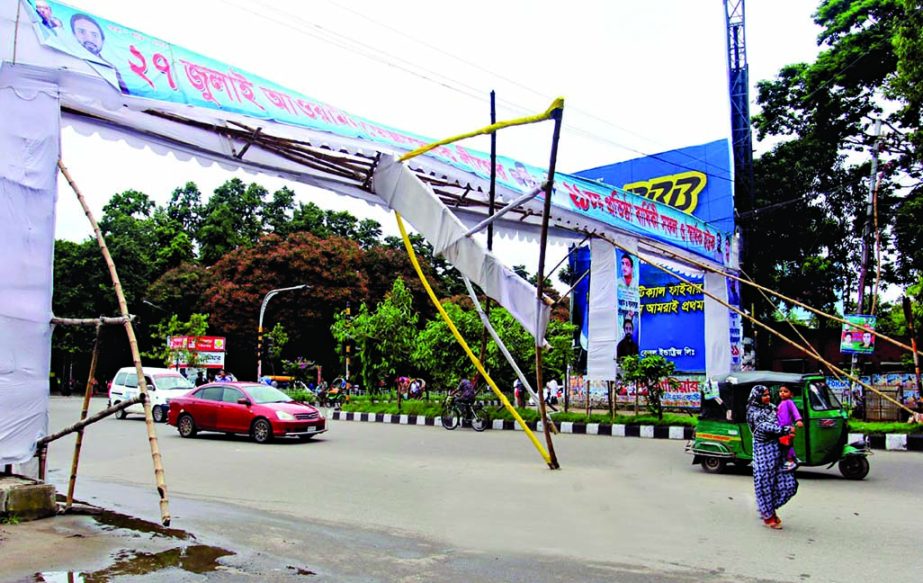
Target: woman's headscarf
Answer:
pixel 757 411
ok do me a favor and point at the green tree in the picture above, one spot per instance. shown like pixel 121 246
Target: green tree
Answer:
pixel 232 218
pixel 197 325
pixel 185 207
pixel 810 188
pixel 276 212
pixel 383 339
pixel 648 372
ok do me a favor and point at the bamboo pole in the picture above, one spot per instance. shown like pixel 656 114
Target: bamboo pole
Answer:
pixel 779 295
pixel 83 415
pixel 90 420
pixel 557 115
pixel 135 354
pixel 91 321
pixel 776 333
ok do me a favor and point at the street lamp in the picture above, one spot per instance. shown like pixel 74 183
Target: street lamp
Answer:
pixel 259 340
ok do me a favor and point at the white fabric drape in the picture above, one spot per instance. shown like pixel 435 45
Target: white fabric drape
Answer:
pixel 601 314
pixel 416 202
pixel 29 150
pixel 717 338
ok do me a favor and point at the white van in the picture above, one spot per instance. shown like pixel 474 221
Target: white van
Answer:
pixel 162 384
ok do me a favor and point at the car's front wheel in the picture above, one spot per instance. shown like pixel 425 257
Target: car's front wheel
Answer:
pixel 121 414
pixel 186 426
pixel 262 431
pixel 159 413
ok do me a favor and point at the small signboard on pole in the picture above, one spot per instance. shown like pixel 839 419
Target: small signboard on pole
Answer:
pixel 857 336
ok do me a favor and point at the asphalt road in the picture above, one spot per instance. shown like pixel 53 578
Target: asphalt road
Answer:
pixel 375 502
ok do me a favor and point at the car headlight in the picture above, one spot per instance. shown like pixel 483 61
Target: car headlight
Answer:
pixel 285 416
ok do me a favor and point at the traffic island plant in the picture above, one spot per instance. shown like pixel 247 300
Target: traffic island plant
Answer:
pixel 648 373
pixel 433 408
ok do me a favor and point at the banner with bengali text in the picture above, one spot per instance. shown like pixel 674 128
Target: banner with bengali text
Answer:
pixel 144 66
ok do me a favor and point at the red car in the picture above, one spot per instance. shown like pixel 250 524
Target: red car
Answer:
pixel 261 411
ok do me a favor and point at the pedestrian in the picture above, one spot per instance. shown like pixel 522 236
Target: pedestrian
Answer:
pixel 773 487
pixel 200 379
pixel 223 377
pixel 788 416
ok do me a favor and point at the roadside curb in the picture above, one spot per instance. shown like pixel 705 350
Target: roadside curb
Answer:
pixel 890 441
pixel 644 431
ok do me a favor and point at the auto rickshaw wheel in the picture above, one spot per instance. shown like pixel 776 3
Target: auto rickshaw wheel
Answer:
pixel 854 467
pixel 714 465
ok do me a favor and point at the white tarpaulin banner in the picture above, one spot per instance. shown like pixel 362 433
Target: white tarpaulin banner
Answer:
pixel 416 202
pixel 601 314
pixel 717 339
pixel 29 150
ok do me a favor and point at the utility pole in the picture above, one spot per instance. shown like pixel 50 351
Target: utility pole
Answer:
pixel 259 331
pixel 866 235
pixel 867 227
pixel 348 340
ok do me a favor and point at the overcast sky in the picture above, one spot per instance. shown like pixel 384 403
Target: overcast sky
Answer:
pixel 637 78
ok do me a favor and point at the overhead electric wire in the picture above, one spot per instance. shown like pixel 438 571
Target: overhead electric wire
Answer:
pixel 375 53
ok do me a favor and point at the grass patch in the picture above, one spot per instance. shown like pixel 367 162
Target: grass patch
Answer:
pixel 883 427
pixel 433 408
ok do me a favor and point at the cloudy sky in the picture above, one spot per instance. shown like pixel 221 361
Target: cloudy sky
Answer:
pixel 637 77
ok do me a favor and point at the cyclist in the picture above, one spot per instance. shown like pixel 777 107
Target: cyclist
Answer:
pixel 465 392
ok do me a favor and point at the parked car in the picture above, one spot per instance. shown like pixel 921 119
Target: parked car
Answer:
pixel 261 411
pixel 162 384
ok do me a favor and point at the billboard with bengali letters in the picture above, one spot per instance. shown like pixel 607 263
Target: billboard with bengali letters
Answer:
pixel 672 316
pixel 697 180
pixel 143 66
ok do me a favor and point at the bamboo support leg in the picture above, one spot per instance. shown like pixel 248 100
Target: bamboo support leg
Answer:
pixel 135 354
pixel 88 392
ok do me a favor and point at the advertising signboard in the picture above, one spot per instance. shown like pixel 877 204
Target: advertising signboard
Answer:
pixel 857 337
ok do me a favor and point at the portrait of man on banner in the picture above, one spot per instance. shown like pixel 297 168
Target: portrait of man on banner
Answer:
pixel 857 336
pixel 628 270
pixel 628 344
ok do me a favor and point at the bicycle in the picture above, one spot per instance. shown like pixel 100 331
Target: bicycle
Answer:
pixel 454 411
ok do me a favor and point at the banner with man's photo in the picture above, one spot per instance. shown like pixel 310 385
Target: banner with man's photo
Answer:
pixel 668 311
pixel 684 393
pixel 627 286
pixel 857 337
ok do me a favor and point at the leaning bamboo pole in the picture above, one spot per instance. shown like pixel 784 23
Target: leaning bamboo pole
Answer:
pixel 88 392
pixel 776 333
pixel 779 295
pixel 135 354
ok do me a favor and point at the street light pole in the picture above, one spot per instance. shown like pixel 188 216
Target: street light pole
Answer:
pixel 259 337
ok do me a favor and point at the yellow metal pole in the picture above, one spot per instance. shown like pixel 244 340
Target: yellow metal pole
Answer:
pixel 464 345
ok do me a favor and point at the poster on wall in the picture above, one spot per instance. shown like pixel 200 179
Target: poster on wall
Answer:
pixel 673 318
pixel 857 337
pixel 627 285
pixel 735 323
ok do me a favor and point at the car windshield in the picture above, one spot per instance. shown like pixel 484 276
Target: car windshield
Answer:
pixel 173 382
pixel 822 398
pixel 265 394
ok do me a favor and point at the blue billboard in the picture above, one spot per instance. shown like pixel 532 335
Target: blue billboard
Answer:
pixel 697 180
pixel 672 313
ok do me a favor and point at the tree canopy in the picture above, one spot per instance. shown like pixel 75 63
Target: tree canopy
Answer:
pixel 812 186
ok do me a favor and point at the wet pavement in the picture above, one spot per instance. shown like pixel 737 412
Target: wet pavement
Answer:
pixel 375 502
pixel 235 544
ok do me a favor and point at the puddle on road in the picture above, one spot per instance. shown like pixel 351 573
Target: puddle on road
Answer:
pixel 193 558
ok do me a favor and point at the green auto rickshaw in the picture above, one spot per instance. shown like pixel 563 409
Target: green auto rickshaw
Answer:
pixel 723 436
